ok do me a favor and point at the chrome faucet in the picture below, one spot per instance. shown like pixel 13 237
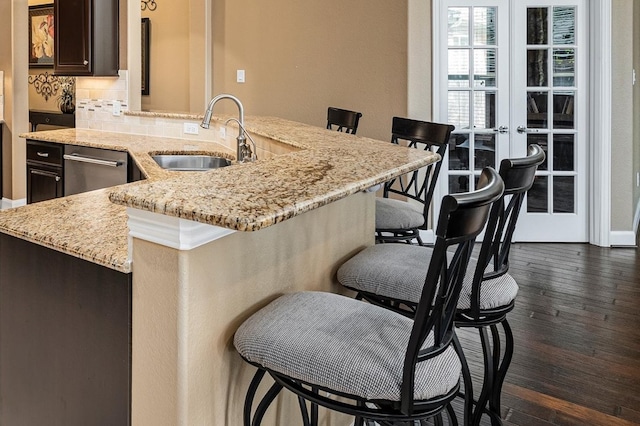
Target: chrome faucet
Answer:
pixel 243 151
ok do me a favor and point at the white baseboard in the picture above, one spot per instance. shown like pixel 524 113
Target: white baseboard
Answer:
pixel 622 239
pixel 636 218
pixel 9 204
pixel 428 236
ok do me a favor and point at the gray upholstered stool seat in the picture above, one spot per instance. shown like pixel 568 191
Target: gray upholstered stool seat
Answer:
pixel 397 271
pixel 397 214
pixel 343 344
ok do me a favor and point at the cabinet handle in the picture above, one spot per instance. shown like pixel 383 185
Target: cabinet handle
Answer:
pixel 86 62
pixel 42 154
pixel 47 174
pixel 76 157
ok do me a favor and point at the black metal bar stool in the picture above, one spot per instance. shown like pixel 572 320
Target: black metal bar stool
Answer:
pixel 343 120
pixel 401 218
pixel 385 367
pixel 389 275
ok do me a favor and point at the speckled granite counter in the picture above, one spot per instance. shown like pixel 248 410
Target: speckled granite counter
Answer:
pixel 327 166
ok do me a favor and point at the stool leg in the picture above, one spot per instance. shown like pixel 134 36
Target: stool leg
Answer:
pixel 437 420
pixel 271 394
pixel 268 398
pixel 303 411
pixel 314 409
pixel 494 402
pixel 489 375
pixel 468 385
pixel 251 393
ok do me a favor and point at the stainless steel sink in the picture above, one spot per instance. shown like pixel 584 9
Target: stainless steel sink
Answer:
pixel 190 163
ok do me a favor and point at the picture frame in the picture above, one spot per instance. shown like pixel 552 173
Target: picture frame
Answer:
pixel 144 53
pixel 41 36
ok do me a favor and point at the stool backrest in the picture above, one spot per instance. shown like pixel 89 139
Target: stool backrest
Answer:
pixel 518 175
pixel 420 184
pixel 462 218
pixel 344 120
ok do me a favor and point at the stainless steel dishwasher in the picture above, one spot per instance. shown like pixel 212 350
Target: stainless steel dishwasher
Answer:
pixel 86 169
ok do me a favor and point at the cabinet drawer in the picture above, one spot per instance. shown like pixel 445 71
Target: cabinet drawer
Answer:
pixel 43 183
pixel 48 153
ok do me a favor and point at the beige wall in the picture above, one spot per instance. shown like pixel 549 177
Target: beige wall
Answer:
pixel 14 61
pixel 301 58
pixel 622 176
pixel 169 56
pixel 177 60
pixel 5 65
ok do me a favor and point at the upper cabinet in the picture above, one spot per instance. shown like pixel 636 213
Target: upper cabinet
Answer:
pixel 86 37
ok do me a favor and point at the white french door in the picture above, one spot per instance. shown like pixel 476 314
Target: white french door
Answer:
pixel 515 73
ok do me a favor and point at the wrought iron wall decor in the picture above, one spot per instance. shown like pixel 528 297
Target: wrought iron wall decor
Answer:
pixel 47 85
pixel 148 4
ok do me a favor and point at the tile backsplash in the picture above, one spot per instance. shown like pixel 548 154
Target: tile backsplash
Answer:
pixel 97 97
pixel 95 101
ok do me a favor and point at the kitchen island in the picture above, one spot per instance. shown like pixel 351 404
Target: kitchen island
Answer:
pixel 198 253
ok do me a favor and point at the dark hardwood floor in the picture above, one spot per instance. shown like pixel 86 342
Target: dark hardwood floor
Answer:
pixel 576 326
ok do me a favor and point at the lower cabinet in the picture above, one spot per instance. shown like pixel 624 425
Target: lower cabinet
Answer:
pixel 44 171
pixel 43 183
pixel 46 165
pixel 65 339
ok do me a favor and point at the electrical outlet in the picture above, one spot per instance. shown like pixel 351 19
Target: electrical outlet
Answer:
pixel 190 129
pixel 222 132
pixel 240 76
pixel 116 108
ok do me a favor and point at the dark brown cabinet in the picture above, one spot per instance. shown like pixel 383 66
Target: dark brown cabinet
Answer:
pixel 65 339
pixel 44 171
pixel 86 37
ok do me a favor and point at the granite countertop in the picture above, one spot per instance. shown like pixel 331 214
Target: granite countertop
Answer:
pixel 323 166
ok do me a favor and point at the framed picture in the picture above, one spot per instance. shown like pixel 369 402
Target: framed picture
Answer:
pixel 41 36
pixel 146 33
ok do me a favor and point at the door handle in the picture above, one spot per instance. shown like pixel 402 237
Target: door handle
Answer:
pixel 523 129
pixel 502 129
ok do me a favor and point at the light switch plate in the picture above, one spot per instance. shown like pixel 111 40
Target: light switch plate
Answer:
pixel 240 76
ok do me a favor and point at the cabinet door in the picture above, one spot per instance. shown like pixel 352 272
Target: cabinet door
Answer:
pixel 43 183
pixel 73 37
pixel 86 37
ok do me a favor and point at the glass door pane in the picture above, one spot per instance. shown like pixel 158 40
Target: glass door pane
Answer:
pixel 551 97
pixel 473 106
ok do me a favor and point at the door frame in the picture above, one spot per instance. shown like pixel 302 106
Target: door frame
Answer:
pixel 599 141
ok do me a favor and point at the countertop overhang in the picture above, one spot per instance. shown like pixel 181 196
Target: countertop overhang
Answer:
pixel 326 167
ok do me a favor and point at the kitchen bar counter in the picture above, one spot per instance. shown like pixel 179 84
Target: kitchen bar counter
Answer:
pixel 156 340
pixel 308 167
pixel 89 226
